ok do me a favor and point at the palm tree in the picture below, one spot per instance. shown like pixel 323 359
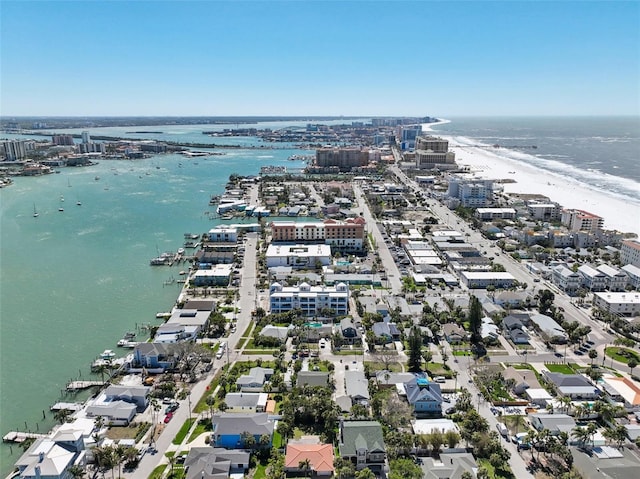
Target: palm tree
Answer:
pixel 62 415
pixel 582 434
pixel 211 400
pixel 76 472
pixel 632 363
pixel 119 453
pixel 592 428
pixel 593 354
pixel 566 402
pixel 305 466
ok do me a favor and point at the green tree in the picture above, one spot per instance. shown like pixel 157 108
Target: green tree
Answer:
pixel 305 467
pixel 365 473
pixel 632 363
pixel 475 319
pixel 404 469
pixel 62 415
pixel 415 349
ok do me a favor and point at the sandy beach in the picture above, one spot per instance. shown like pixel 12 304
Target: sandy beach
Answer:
pixel 619 213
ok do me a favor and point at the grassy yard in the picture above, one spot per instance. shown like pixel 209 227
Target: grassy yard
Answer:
pixel 559 368
pixel 203 426
pixel 493 473
pixel 622 355
pixel 379 366
pixel 261 471
pixel 438 369
pixel 202 403
pixel 259 352
pixel 158 472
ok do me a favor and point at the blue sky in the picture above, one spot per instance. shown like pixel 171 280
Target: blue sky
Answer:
pixel 319 58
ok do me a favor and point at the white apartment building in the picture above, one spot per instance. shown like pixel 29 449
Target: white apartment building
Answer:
pixel 616 279
pixel 624 304
pixel 630 253
pixel 544 211
pixel 579 220
pixel 298 256
pixel 348 235
pixel 633 275
pixel 485 214
pixel 472 192
pixel 482 279
pixel 223 234
pixel 592 279
pixel 310 299
pixel 566 280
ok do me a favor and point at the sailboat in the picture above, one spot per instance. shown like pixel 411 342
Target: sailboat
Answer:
pixel 35 212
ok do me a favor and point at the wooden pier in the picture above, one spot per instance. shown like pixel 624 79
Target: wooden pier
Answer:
pixel 70 406
pixel 18 437
pixel 78 385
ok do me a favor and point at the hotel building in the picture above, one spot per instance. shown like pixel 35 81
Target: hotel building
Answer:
pixel 431 151
pixel 348 235
pixel 630 253
pixel 343 158
pixel 579 220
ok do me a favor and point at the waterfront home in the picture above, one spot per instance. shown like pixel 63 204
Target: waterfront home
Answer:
pixel 255 379
pixel 137 395
pixel 154 356
pixel 223 234
pixel 357 387
pixel 45 459
pixel 246 402
pixel 575 386
pixel 362 443
pixel 229 429
pixel 114 413
pixel 320 457
pixel 215 463
pixel 424 396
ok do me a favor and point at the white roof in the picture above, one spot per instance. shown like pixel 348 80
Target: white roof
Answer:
pixel 487 275
pixel 426 426
pixel 620 298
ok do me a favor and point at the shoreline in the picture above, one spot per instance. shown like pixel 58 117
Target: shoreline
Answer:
pixel 619 211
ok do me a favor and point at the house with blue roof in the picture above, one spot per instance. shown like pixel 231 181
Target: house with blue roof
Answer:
pixel 425 396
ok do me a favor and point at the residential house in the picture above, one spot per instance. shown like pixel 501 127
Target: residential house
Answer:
pixel 357 387
pixel 348 330
pixel 514 329
pixel 616 279
pixel 549 328
pixel 633 275
pixel 320 457
pixel 566 280
pixel 424 395
pixel 510 299
pixel 385 332
pixel 574 386
pixel 115 413
pixel 137 395
pixel 390 379
pixel 154 356
pixel 623 390
pixel 229 429
pixel 554 423
pixel 454 333
pixel 592 279
pixel 362 443
pixel 313 378
pixel 255 379
pixel 520 379
pixel 451 465
pixel 45 459
pixel 489 331
pixel 246 402
pixel 215 463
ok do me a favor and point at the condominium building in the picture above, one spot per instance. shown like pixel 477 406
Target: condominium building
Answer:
pixel 495 213
pixel 592 279
pixel 310 299
pixel 223 234
pixel 623 304
pixel 298 256
pixel 544 211
pixel 408 136
pixel 633 275
pixel 483 279
pixel 343 158
pixel 616 279
pixel 348 235
pixel 432 143
pixel 86 137
pixel 630 253
pixel 579 220
pixel 472 192
pixel 62 140
pixel 565 279
pixel 17 149
pixel 432 151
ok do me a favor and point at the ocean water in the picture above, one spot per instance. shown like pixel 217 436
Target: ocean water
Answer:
pixel 74 281
pixel 601 152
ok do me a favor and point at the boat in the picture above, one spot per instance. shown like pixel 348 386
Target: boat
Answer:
pixel 35 212
pixel 60 209
pixel 180 250
pixel 163 315
pixel 182 273
pixel 62 198
pixel 78 203
pixel 107 354
pixel 97 178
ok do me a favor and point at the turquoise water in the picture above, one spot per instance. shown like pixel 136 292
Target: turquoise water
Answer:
pixel 313 325
pixel 74 281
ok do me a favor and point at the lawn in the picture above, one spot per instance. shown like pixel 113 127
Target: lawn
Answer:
pixel 559 368
pixel 158 472
pixel 438 369
pixel 203 426
pixel 622 355
pixel 379 366
pixel 182 433
pixel 493 473
pixel 261 471
pixel 202 403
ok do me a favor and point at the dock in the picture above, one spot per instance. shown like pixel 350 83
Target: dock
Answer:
pixel 70 406
pixel 18 437
pixel 78 385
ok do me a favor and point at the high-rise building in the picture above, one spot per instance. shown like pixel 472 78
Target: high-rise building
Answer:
pixel 62 140
pixel 343 158
pixel 579 220
pixel 472 192
pixel 86 137
pixel 15 149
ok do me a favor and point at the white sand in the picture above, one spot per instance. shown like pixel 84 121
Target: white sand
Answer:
pixel 618 213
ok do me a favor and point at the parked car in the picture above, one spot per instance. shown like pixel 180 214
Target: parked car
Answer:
pixel 168 417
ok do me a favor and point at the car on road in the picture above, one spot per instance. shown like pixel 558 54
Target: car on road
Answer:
pixel 168 417
pixel 171 408
pixel 450 410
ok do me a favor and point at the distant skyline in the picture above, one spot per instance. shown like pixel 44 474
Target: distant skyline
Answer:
pixel 215 58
